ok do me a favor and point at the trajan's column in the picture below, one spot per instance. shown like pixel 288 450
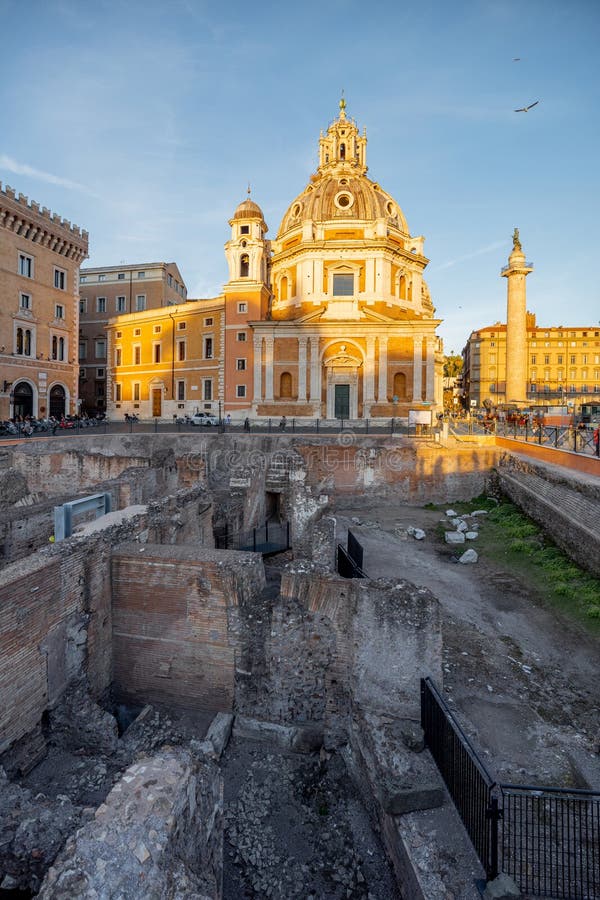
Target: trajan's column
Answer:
pixel 516 323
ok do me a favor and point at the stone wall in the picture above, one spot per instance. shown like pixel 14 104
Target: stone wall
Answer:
pixel 56 613
pixel 564 503
pixel 171 607
pixel 158 834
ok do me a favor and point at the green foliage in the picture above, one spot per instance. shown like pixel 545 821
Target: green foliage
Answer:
pixel 453 364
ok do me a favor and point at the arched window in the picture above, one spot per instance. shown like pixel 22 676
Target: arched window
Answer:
pixel 402 287
pixel 19 348
pixel 342 151
pixel 283 288
pixel 285 386
pixel 54 347
pixel 27 348
pixel 61 348
pixel 244 265
pixel 409 293
pixel 400 385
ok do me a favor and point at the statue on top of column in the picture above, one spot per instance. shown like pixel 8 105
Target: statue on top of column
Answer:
pixel 516 241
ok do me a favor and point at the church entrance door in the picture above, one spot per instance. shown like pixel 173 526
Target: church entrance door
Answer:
pixel 342 401
pixel 157 403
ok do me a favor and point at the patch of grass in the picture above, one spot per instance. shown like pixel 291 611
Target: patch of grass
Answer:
pixel 508 537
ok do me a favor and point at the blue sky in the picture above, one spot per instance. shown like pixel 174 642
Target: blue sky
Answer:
pixel 144 122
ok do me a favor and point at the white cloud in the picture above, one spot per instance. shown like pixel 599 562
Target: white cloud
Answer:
pixel 11 165
pixel 487 249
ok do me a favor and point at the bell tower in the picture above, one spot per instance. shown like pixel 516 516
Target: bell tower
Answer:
pixel 247 297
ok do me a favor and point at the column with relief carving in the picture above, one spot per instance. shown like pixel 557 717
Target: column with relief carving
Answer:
pixel 382 383
pixel 302 342
pixel 257 369
pixel 269 341
pixel 417 369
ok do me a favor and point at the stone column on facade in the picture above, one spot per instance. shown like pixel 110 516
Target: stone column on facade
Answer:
pixel 383 364
pixel 302 342
pixel 430 370
pixel 257 369
pixel 370 279
pixel 417 369
pixel 269 341
pixel 318 281
pixel 369 375
pixel 315 375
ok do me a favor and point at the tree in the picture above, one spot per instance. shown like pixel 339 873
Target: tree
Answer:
pixel 452 365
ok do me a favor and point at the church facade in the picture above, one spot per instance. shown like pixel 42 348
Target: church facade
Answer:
pixel 330 319
pixel 340 319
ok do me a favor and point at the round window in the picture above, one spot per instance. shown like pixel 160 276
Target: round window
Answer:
pixel 390 208
pixel 344 200
pixel 296 210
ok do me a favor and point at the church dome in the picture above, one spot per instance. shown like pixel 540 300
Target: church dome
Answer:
pixel 346 196
pixel 248 209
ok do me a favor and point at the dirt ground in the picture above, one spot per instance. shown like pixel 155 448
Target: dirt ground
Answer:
pixel 524 681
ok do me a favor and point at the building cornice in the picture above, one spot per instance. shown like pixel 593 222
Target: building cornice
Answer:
pixel 41 227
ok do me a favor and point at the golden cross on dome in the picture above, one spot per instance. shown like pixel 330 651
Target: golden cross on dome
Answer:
pixel 342 106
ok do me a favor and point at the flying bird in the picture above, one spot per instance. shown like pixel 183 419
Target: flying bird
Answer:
pixel 516 59
pixel 527 108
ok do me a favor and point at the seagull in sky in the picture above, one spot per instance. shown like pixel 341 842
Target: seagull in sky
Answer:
pixel 527 108
pixel 516 59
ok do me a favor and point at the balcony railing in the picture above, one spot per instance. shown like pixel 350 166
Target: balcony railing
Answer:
pixel 526 265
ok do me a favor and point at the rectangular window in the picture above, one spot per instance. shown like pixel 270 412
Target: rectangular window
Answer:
pixel 101 277
pixel 59 311
pixel 136 390
pixel 181 326
pixel 546 359
pixel 25 265
pixel 140 302
pixel 533 388
pixel 100 373
pixel 121 304
pixel 208 322
pixel 100 348
pixel 118 393
pixel 207 389
pixel 25 301
pixel 208 348
pixel 119 334
pixel 118 356
pixel 240 365
pixel 170 280
pixel 100 389
pixel 573 360
pixel 240 336
pixel 137 354
pixel 101 304
pixel 181 390
pixel 82 306
pixel 156 353
pixel 560 359
pixel 242 307
pixel 156 329
pixel 533 359
pixel 343 285
pixel 240 390
pixel 244 229
pixel 60 279
pixel 181 351
pixel 82 373
pixel 121 276
pixel 82 350
pixel 141 274
pixel 83 279
pixel 137 332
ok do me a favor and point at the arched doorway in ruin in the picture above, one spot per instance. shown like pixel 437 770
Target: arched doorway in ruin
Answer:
pixel 22 399
pixel 58 399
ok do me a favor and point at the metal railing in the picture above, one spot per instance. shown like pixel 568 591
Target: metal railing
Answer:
pixel 546 838
pixel 269 538
pixel 470 784
pixel 558 437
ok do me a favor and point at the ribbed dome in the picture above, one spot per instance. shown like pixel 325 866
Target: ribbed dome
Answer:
pixel 345 197
pixel 248 209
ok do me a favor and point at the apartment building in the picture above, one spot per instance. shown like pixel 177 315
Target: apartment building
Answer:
pixel 109 291
pixel 40 256
pixel 166 362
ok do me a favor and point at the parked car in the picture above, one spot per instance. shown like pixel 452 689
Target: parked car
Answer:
pixel 203 418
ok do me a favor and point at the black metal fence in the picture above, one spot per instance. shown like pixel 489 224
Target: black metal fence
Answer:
pixel 269 538
pixel 467 779
pixel 559 437
pixel 546 838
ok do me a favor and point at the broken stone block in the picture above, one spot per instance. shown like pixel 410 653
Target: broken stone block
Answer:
pixel 501 888
pixel 418 534
pixel 471 535
pixel 454 537
pixel 219 732
pixel 480 512
pixel 462 526
pixel 450 514
pixel 469 556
